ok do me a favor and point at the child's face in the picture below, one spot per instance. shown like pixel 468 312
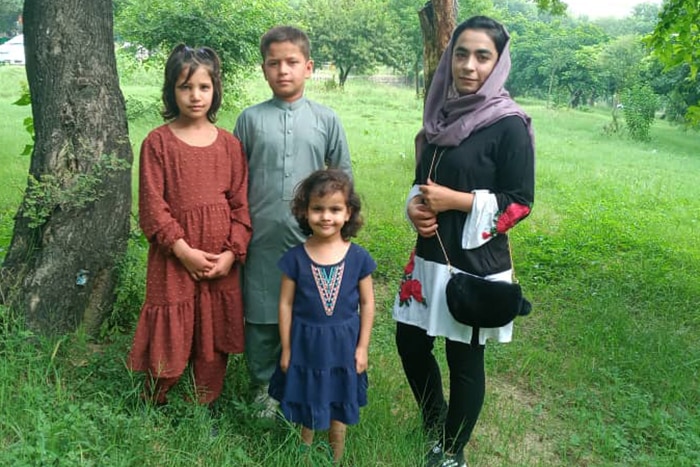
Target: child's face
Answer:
pixel 193 97
pixel 327 214
pixel 286 70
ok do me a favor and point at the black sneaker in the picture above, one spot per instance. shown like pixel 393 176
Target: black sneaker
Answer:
pixel 453 460
pixel 435 456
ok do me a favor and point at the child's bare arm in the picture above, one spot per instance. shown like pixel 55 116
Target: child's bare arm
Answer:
pixel 366 323
pixel 285 319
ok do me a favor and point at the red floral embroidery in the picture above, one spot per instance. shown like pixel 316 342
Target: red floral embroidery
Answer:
pixel 408 270
pixel 411 289
pixel 506 220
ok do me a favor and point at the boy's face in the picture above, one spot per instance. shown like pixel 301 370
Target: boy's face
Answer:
pixel 286 70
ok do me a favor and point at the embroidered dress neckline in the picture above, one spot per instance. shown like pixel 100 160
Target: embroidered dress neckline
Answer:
pixel 328 280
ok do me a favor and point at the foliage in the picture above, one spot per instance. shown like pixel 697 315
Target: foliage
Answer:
pixel 405 16
pixel 354 35
pixel 67 191
pixel 641 22
pixel 24 100
pixel 130 293
pixel 676 40
pixel 10 11
pixel 640 104
pixel 556 7
pixel 621 63
pixel 554 54
pixel 678 93
pixel 409 55
pixel 233 29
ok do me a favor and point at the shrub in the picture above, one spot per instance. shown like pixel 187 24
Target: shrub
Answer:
pixel 640 104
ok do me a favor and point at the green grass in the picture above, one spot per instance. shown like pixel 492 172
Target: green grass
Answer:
pixel 604 372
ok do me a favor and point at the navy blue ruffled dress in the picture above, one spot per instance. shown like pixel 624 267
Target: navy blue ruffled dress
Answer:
pixel 321 383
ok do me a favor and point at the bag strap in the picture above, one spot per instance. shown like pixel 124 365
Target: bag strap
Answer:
pixel 442 246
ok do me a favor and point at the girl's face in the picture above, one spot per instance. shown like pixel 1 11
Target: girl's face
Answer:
pixel 327 214
pixel 473 57
pixel 193 97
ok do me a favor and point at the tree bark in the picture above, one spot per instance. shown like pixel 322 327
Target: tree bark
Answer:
pixel 73 224
pixel 438 19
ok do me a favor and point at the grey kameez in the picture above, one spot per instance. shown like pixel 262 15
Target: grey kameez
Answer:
pixel 284 143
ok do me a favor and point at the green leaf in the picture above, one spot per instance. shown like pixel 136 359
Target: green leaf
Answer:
pixel 27 150
pixel 25 99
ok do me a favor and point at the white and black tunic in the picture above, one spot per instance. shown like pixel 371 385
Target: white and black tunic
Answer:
pixel 497 164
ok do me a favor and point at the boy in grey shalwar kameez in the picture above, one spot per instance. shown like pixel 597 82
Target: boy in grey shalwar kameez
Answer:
pixel 285 139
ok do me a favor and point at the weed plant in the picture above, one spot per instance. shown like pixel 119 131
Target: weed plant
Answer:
pixel 604 372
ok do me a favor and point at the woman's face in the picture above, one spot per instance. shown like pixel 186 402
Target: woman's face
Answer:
pixel 473 57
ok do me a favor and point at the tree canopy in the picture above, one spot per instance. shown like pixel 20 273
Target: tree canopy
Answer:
pixel 233 29
pixel 676 41
pixel 10 12
pixel 352 34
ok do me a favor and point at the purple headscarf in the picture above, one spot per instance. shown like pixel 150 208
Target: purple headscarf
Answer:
pixel 448 118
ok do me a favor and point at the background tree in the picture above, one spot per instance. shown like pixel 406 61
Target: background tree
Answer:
pixel 438 19
pixel 676 41
pixel 353 35
pixel 639 108
pixel 621 64
pixel 232 28
pixel 10 11
pixel 73 223
pixel 409 55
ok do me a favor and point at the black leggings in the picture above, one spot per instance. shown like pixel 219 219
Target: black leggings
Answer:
pixel 467 384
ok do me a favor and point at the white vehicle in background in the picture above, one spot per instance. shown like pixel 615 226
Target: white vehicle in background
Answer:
pixel 12 51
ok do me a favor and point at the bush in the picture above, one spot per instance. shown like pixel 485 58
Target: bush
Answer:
pixel 640 104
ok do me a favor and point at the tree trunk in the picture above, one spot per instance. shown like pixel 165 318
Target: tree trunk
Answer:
pixel 343 75
pixel 438 19
pixel 72 226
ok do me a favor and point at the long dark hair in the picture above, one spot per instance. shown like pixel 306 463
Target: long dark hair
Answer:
pixel 184 57
pixel 325 182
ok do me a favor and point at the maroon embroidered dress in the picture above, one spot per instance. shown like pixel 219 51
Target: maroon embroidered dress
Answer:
pixel 321 383
pixel 199 194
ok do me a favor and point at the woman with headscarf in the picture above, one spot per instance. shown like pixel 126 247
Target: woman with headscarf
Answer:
pixel 474 180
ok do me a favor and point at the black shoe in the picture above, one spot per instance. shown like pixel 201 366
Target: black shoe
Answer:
pixel 437 457
pixel 453 460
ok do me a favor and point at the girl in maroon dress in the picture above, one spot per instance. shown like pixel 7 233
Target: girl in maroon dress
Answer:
pixel 193 209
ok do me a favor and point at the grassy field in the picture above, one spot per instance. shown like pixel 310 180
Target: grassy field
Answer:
pixel 603 373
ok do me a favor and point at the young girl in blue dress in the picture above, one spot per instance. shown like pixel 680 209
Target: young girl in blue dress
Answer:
pixel 321 380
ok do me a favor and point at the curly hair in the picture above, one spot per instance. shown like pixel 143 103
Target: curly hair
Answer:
pixel 322 183
pixel 183 57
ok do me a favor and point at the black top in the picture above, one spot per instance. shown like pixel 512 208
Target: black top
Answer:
pixel 498 158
